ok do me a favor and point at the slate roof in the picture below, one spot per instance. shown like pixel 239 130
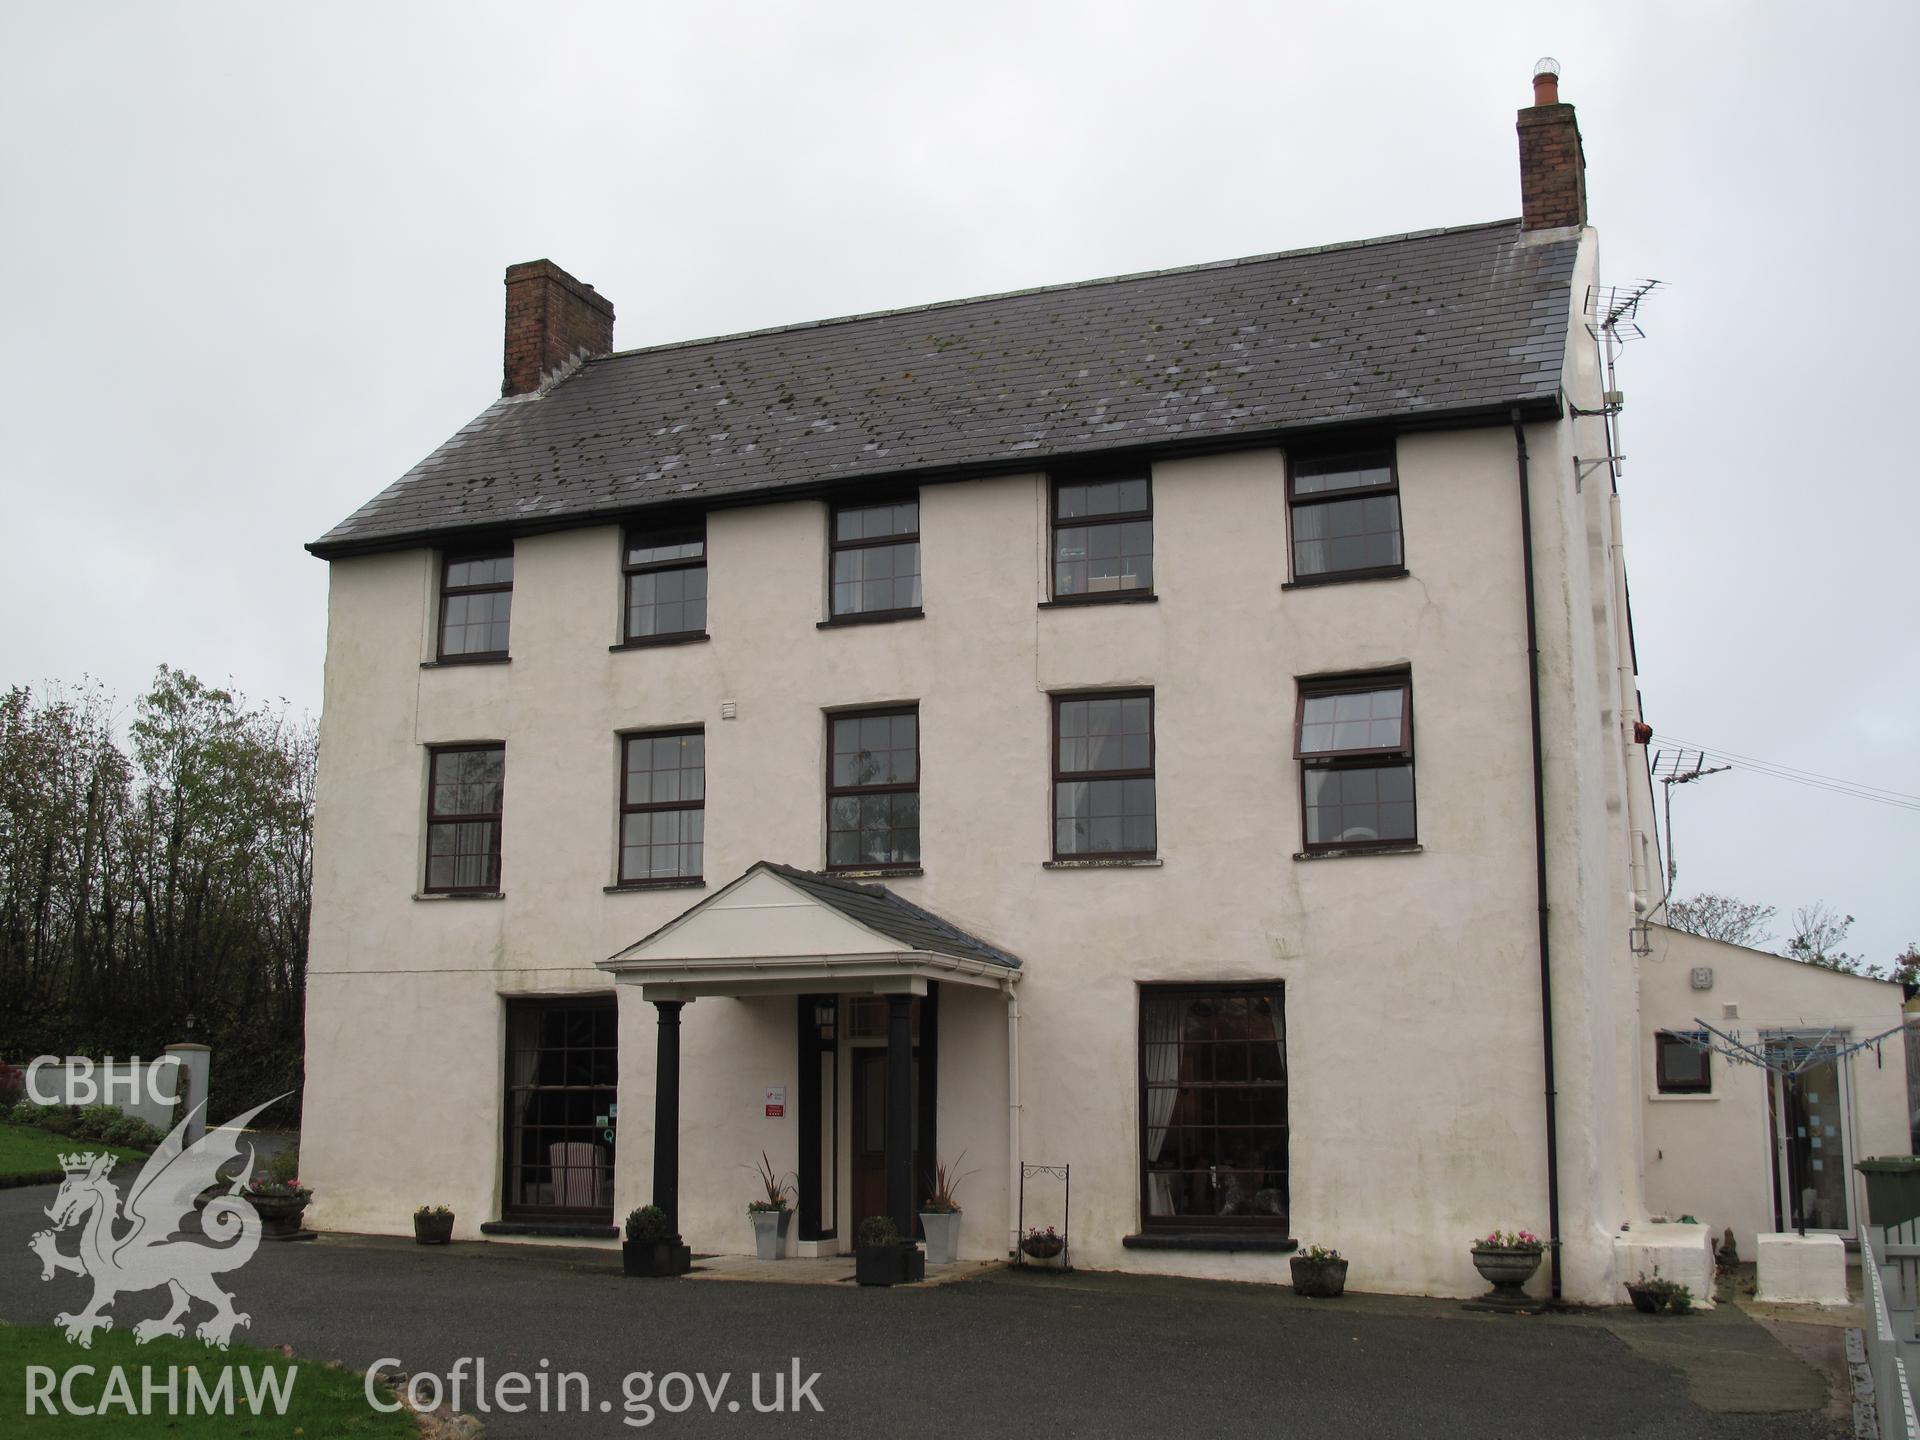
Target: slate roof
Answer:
pixel 878 908
pixel 1420 328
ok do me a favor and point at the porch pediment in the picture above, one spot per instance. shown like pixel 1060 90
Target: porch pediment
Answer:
pixel 780 930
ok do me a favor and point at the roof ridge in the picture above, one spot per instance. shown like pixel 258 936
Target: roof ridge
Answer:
pixel 932 305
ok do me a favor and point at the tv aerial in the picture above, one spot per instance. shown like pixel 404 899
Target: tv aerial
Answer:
pixel 1679 767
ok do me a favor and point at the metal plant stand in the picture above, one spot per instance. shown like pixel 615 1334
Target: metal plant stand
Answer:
pixel 1063 1260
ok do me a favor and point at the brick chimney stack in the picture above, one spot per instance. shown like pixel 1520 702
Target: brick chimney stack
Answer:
pixel 551 319
pixel 1553 168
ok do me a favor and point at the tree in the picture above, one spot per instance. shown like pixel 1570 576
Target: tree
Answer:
pixel 1818 931
pixel 1906 966
pixel 1722 917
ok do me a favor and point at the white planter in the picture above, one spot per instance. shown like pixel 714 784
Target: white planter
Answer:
pixel 943 1236
pixel 770 1233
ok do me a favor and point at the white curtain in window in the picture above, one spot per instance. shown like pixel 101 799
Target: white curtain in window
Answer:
pixel 1309 540
pixel 1160 1028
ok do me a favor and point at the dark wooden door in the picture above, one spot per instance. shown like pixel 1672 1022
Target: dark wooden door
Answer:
pixel 870 1135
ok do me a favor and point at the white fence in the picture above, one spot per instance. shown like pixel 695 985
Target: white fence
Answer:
pixel 1890 1262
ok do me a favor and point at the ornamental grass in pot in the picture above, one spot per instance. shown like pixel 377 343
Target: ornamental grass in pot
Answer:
pixel 940 1216
pixel 771 1214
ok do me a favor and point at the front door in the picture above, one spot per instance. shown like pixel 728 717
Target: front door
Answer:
pixel 870 1134
pixel 1813 1157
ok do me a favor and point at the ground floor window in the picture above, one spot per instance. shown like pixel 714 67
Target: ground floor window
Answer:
pixel 1213 1113
pixel 1680 1066
pixel 562 1106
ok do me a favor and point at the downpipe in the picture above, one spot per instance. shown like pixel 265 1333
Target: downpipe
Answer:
pixel 1540 854
pixel 1013 1120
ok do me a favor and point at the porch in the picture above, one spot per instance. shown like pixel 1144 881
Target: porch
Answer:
pixel 866 971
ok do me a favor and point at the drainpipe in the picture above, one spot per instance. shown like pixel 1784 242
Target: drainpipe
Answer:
pixel 1540 854
pixel 1013 1120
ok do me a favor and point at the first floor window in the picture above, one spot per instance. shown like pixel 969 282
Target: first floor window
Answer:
pixel 666 570
pixel 1213 1118
pixel 663 806
pixel 876 559
pixel 1103 797
pixel 1346 515
pixel 873 790
pixel 464 785
pixel 1680 1065
pixel 1354 741
pixel 563 1076
pixel 476 606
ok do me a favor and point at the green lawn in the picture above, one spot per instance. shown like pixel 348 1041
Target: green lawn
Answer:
pixel 323 1403
pixel 28 1150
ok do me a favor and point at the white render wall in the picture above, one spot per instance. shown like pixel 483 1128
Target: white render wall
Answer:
pixel 1413 1010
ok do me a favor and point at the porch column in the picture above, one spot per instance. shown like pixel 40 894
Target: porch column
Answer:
pixel 900 1113
pixel 666 1114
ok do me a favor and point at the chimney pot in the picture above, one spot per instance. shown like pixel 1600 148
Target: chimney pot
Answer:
pixel 1546 81
pixel 552 320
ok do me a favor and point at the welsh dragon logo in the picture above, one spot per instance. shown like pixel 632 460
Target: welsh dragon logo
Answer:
pixel 139 1245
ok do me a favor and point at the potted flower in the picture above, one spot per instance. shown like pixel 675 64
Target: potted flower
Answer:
pixel 1506 1260
pixel 281 1203
pixel 1652 1295
pixel 883 1258
pixel 1320 1273
pixel 940 1216
pixel 652 1249
pixel 432 1225
pixel 770 1214
pixel 1042 1244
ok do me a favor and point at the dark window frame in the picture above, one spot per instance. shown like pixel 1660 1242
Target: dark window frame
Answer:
pixel 1273 989
pixel 1080 522
pixel 1360 455
pixel 449 559
pixel 1664 1084
pixel 835 546
pixel 648 807
pixel 1060 697
pixel 494 817
pixel 1364 758
pixel 510 1207
pixel 629 570
pixel 834 792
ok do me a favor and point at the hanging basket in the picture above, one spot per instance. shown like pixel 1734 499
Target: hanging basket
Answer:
pixel 1042 1247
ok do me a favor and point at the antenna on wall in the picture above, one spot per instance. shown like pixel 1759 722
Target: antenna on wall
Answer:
pixel 1679 767
pixel 1613 320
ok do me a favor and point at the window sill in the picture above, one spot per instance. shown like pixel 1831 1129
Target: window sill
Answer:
pixel 451 661
pixel 551 1229
pixel 1683 1096
pixel 900 872
pixel 1273 1244
pixel 1357 854
pixel 1313 582
pixel 654 642
pixel 678 882
pixel 1116 862
pixel 461 895
pixel 1117 597
pixel 878 617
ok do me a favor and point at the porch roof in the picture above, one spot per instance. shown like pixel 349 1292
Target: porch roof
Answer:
pixel 779 930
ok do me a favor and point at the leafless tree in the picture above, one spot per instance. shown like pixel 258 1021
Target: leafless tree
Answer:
pixel 1723 917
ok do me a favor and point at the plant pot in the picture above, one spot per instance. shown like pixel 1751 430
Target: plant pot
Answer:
pixel 1042 1247
pixel 942 1229
pixel 431 1229
pixel 279 1215
pixel 1644 1299
pixel 1321 1279
pixel 654 1259
pixel 770 1233
pixel 1507 1270
pixel 901 1264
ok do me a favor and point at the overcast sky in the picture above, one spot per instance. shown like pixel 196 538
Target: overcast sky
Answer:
pixel 252 260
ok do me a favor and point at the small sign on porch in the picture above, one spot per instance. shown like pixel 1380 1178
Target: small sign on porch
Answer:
pixel 776 1101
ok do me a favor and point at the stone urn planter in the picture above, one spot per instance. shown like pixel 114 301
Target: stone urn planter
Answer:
pixel 1507 1268
pixel 770 1232
pixel 942 1229
pixel 1322 1277
pixel 432 1227
pixel 279 1214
